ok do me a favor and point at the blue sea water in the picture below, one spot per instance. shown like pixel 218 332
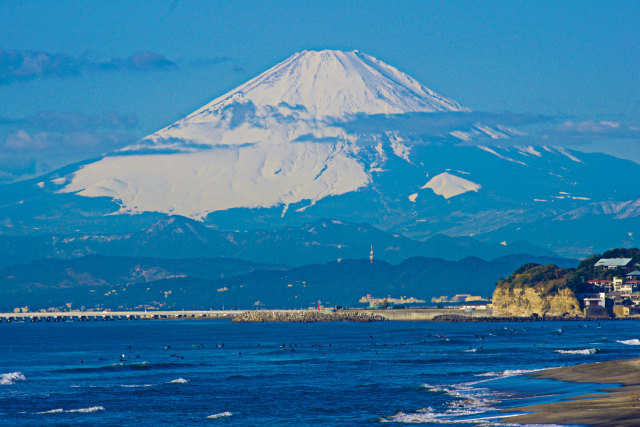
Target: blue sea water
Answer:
pixel 209 372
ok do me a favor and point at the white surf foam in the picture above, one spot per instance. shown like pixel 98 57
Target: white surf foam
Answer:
pixel 87 410
pixel 584 352
pixel 508 373
pixel 11 378
pixel 220 415
pixel 52 411
pixel 79 410
pixel 634 341
pixel 179 381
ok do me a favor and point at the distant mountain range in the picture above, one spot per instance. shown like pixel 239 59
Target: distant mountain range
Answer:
pixel 99 281
pixel 323 241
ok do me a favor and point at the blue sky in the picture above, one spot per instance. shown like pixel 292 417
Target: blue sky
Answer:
pixel 97 75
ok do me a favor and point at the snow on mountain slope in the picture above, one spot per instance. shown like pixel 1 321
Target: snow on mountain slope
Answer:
pixel 274 140
pixel 448 185
pixel 194 184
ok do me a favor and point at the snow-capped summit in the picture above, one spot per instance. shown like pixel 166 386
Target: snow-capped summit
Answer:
pixel 334 83
pixel 302 97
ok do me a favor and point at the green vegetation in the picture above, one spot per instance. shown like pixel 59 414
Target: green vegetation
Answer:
pixel 548 279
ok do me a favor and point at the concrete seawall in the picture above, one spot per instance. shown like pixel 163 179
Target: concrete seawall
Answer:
pixel 421 314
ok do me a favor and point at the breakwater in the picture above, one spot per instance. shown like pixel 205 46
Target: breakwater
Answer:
pixel 307 316
pixel 81 316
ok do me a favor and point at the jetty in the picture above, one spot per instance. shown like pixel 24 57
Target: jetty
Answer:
pixel 404 315
pixel 81 316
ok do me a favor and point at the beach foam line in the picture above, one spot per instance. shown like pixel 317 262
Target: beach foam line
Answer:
pixel 220 415
pixel 634 341
pixel 584 352
pixel 508 373
pixel 11 378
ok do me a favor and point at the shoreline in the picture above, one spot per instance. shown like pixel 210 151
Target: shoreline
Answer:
pixel 618 405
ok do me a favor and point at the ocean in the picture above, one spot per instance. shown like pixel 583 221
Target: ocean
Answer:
pixel 208 372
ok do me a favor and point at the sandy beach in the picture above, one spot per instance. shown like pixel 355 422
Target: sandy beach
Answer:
pixel 619 406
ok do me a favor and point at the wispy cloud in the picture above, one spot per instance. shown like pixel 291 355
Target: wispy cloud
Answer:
pixel 76 142
pixel 72 121
pixel 439 124
pixel 14 166
pixel 575 133
pixel 595 130
pixel 46 140
pixel 18 66
pixel 481 128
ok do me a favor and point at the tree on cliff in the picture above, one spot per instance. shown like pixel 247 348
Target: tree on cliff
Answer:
pixel 549 279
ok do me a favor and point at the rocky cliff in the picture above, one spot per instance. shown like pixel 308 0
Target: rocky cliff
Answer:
pixel 536 290
pixel 528 301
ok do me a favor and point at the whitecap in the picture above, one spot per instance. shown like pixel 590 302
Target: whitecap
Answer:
pixel 135 385
pixel 11 377
pixel 179 381
pixel 220 415
pixel 634 341
pixel 87 410
pixel 509 373
pixel 79 410
pixel 471 350
pixel 52 411
pixel 584 352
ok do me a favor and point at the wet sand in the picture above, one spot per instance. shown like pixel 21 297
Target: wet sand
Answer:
pixel 616 406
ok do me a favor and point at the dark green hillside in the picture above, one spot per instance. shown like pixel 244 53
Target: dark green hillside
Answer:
pixel 549 278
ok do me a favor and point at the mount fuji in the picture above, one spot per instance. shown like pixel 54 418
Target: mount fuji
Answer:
pixel 341 135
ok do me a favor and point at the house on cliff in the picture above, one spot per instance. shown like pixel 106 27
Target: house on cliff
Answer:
pixel 634 275
pixel 613 263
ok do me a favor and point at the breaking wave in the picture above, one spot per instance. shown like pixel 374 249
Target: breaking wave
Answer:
pixel 179 381
pixel 584 352
pixel 78 411
pixel 220 415
pixel 509 373
pixel 634 341
pixel 87 410
pixel 52 411
pixel 11 378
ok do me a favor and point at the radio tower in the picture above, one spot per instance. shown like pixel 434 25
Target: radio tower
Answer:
pixel 371 255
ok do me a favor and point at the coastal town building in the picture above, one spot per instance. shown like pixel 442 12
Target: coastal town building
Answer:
pixel 383 302
pixel 613 263
pixel 613 298
pixel 457 298
pixel 603 285
pixel 634 275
